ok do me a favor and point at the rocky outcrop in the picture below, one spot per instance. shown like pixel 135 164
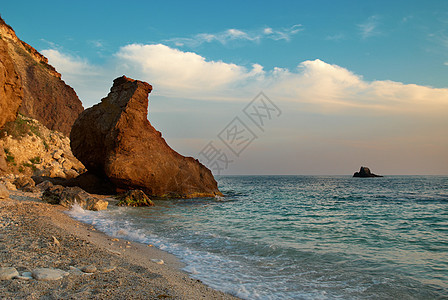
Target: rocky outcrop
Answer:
pixel 115 139
pixel 46 97
pixel 365 172
pixel 33 149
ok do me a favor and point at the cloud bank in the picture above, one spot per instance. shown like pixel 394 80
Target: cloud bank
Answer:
pixel 320 85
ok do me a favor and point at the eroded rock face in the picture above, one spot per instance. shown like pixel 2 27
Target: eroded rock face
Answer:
pixel 46 97
pixel 115 139
pixel 11 92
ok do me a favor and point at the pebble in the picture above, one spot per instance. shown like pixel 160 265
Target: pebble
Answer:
pixel 8 273
pixel 158 261
pixel 107 269
pixel 75 271
pixel 88 269
pixel 48 274
pixel 113 251
pixel 55 241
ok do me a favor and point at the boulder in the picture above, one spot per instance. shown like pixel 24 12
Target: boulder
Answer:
pixel 115 139
pixel 44 185
pixel 24 181
pixel 8 273
pixel 134 198
pixel 69 174
pixel 4 194
pixel 53 194
pixel 365 172
pixel 10 186
pixel 68 196
pixel 89 269
pixel 46 274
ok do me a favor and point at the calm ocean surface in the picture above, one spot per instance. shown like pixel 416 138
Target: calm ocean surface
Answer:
pixel 303 237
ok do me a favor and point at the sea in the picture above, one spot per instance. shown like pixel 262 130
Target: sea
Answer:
pixel 302 237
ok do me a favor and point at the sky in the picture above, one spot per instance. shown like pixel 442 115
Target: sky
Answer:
pixel 257 87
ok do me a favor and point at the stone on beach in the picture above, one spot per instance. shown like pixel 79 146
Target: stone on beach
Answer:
pixel 115 139
pixel 75 271
pixel 134 198
pixel 89 269
pixel 8 273
pixel 24 181
pixel 158 261
pixel 44 185
pixel 70 196
pixel 10 186
pixel 4 194
pixel 46 274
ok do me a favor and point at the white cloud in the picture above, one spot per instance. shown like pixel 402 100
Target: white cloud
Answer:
pixel 90 82
pixel 182 73
pixel 321 86
pixel 325 86
pixel 68 65
pixel 233 34
pixel 370 27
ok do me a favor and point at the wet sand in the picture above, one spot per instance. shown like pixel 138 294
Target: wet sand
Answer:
pixel 39 235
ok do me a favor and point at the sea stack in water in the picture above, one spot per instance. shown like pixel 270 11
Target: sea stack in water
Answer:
pixel 365 172
pixel 115 139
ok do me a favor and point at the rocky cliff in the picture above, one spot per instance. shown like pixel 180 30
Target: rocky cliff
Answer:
pixel 115 139
pixel 26 75
pixel 11 92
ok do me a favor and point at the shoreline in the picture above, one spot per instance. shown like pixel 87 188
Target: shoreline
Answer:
pixel 34 234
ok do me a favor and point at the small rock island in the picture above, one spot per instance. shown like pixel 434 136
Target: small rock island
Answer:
pixel 365 172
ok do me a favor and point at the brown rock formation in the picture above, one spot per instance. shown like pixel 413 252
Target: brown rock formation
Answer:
pixel 46 97
pixel 11 92
pixel 114 138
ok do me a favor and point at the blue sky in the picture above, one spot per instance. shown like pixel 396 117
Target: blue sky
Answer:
pixel 357 82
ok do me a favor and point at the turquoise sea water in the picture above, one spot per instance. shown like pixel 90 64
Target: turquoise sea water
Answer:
pixel 303 237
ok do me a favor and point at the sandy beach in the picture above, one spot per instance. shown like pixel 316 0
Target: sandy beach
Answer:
pixel 39 235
